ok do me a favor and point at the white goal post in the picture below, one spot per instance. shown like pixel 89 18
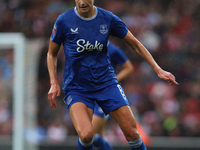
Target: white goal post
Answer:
pixel 24 116
pixel 17 42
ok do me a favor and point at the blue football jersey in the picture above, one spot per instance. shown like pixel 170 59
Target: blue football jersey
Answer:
pixel 87 65
pixel 116 55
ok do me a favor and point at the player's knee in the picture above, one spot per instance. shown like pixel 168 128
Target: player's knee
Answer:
pixel 132 134
pixel 86 136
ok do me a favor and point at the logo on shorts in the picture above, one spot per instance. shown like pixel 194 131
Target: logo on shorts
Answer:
pixel 121 91
pixel 103 29
pixel 69 100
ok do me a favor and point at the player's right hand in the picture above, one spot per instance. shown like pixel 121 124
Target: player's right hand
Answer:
pixel 53 93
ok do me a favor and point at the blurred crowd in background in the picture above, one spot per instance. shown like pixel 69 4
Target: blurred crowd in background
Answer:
pixel 169 29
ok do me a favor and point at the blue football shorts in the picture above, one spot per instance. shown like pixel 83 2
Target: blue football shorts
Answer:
pixel 99 112
pixel 109 98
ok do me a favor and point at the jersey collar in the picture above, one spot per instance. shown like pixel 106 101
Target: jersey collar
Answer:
pixel 83 18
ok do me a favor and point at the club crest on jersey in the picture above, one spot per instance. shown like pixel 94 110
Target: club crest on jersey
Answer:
pixel 74 31
pixel 103 29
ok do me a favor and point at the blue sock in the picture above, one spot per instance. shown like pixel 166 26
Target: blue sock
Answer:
pixel 101 143
pixel 137 145
pixel 84 146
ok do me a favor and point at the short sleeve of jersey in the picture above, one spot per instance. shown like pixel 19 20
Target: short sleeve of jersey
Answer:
pixel 57 32
pixel 118 28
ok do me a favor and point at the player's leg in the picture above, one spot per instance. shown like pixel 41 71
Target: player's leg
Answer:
pixel 81 108
pixel 98 122
pixel 125 119
pixel 116 104
pixel 82 119
pixel 98 126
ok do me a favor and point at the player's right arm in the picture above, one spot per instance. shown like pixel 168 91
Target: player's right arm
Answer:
pixel 52 65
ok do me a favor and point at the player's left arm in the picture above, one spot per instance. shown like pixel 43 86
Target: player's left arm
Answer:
pixel 144 53
pixel 126 70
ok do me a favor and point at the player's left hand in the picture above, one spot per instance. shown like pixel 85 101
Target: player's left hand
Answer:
pixel 167 76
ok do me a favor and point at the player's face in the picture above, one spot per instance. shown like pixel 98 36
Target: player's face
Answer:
pixel 85 7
